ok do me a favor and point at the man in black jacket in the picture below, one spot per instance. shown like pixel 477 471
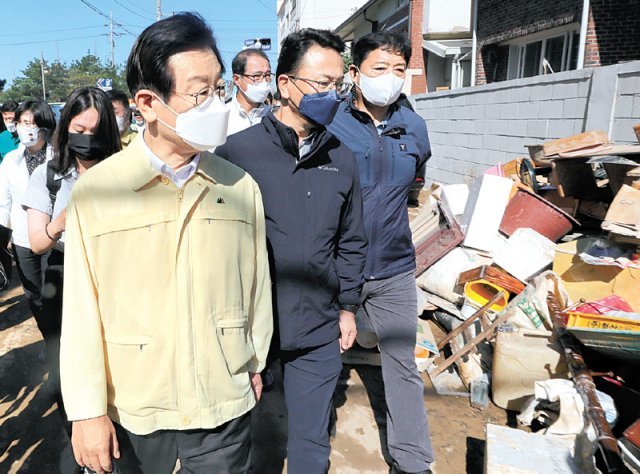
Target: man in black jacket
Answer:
pixel 313 208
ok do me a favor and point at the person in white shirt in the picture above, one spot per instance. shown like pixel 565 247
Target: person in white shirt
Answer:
pixel 35 125
pixel 252 78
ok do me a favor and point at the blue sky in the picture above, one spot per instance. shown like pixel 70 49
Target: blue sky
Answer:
pixel 67 29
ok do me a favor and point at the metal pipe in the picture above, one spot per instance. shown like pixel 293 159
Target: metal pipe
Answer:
pixel 583 33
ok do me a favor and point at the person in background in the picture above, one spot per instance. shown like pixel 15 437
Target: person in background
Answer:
pixel 87 134
pixel 390 143
pixel 123 113
pixel 138 122
pixel 9 140
pixel 252 78
pixel 313 208
pixel 35 125
pixel 167 305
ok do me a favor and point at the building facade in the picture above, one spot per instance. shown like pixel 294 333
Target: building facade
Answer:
pixel 521 38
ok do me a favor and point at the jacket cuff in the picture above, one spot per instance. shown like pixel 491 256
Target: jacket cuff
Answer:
pixel 352 308
pixel 350 298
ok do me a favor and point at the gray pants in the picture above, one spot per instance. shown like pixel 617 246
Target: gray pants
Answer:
pixel 391 306
pixel 224 450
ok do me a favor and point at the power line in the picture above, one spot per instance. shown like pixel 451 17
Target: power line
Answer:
pixel 103 14
pixel 131 11
pixel 51 31
pixel 54 40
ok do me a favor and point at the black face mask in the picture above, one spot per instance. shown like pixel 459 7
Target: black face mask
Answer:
pixel 85 147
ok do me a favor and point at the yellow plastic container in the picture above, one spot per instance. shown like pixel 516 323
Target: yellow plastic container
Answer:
pixel 601 321
pixel 479 292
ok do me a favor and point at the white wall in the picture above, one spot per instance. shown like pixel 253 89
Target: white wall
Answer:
pixel 446 16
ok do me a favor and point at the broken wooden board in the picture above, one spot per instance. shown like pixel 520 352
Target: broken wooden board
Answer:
pixel 591 140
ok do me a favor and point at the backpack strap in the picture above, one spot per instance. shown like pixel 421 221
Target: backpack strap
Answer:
pixel 53 186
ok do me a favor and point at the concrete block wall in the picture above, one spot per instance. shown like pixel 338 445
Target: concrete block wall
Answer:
pixel 472 129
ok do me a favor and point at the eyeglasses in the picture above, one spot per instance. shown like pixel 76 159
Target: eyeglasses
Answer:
pixel 341 88
pixel 203 97
pixel 260 77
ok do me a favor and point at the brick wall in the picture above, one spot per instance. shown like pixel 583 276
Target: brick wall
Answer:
pixel 474 128
pixel 417 61
pixel 500 20
pixel 616 24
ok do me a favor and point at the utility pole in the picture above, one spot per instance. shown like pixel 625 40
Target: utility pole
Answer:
pixel 42 69
pixel 111 40
pixel 158 10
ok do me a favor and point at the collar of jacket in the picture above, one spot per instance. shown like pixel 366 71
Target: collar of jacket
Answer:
pixel 287 138
pixel 137 169
pixel 396 125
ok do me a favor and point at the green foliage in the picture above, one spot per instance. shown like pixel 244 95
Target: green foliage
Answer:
pixel 346 60
pixel 61 80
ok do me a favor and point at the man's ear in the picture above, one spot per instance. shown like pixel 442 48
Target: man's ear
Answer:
pixel 354 73
pixel 283 86
pixel 236 80
pixel 143 100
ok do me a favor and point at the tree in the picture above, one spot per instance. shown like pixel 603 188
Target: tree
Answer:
pixel 3 82
pixel 61 80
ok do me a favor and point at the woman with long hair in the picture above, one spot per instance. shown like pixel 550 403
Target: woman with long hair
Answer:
pixel 87 134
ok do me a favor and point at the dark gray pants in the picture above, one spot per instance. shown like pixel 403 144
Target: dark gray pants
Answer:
pixel 222 450
pixel 391 305
pixel 310 379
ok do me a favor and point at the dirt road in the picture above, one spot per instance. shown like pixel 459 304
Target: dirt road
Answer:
pixel 31 437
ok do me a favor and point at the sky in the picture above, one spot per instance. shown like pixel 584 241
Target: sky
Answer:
pixel 66 30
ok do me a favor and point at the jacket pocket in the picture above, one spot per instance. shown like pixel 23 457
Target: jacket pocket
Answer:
pixel 237 348
pixel 404 155
pixel 139 374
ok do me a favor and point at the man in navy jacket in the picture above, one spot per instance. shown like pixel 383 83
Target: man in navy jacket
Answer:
pixel 313 210
pixel 390 143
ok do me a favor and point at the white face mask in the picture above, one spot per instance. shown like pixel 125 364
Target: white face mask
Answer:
pixel 203 127
pixel 257 93
pixel 382 90
pixel 121 123
pixel 28 136
pixel 11 126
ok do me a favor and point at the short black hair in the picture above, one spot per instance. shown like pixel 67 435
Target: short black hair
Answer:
pixel 42 114
pixel 9 106
pixel 296 45
pixel 387 40
pixel 148 63
pixel 106 133
pixel 119 96
pixel 239 63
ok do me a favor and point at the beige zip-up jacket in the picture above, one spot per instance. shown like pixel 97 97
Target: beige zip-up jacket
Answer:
pixel 167 297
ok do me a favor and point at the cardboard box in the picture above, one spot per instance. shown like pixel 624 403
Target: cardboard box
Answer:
pixel 592 282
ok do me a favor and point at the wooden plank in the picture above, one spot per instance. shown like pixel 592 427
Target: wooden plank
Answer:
pixel 494 275
pixel 580 141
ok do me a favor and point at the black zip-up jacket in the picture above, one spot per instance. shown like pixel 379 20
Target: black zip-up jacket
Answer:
pixel 315 232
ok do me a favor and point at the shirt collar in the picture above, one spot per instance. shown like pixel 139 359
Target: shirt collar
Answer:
pixel 161 167
pixel 256 112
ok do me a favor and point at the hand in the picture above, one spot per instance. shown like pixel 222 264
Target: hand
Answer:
pixel 59 223
pixel 348 330
pixel 94 443
pixel 256 385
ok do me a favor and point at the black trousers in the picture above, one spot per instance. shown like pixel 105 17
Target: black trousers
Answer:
pixel 225 449
pixel 30 268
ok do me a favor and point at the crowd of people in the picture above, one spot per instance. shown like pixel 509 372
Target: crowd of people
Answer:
pixel 221 238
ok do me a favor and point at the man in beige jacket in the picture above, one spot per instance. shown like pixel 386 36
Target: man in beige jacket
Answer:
pixel 167 302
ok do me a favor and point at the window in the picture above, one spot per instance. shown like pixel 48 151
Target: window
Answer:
pixel 552 54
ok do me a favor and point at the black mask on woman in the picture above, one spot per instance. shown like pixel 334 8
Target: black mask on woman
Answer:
pixel 85 147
